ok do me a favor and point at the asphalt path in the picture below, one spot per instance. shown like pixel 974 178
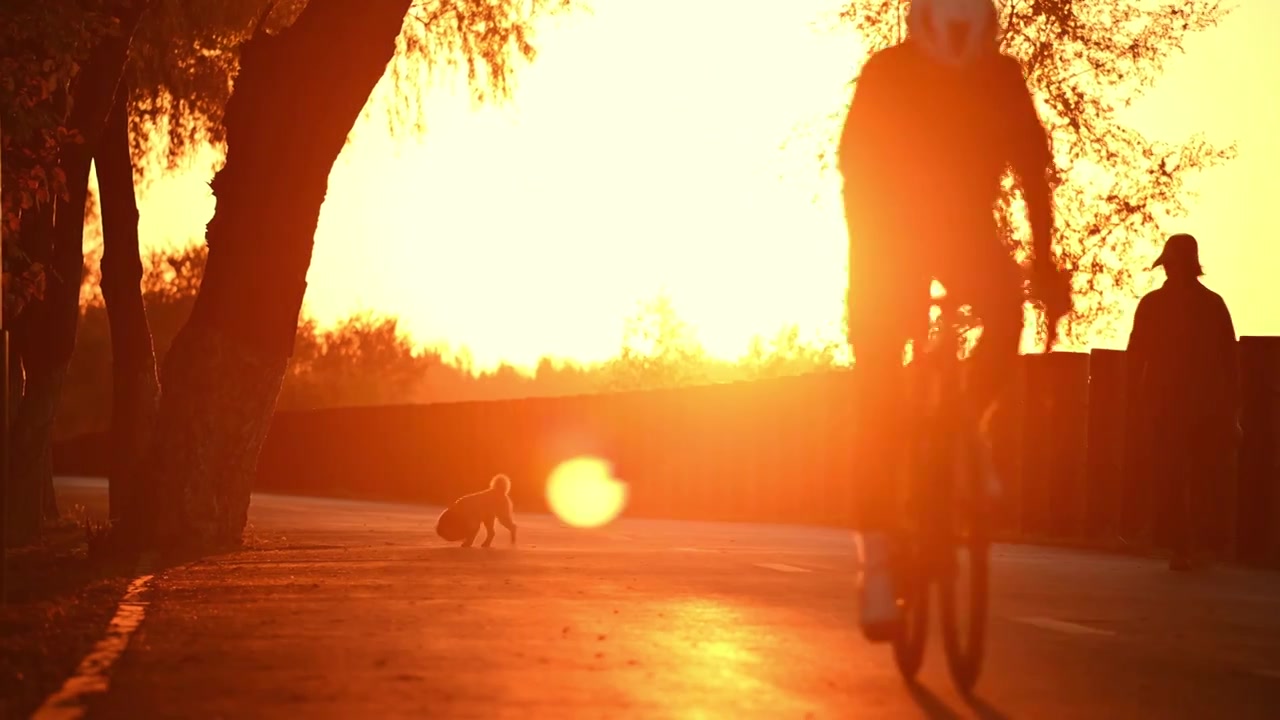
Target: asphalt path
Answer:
pixel 340 609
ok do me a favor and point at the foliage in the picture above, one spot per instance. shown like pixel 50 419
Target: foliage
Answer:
pixel 367 360
pixel 184 60
pixel 364 360
pixel 44 42
pixel 787 354
pixel 23 284
pixel 187 53
pixel 1086 61
pixel 659 349
pixel 486 37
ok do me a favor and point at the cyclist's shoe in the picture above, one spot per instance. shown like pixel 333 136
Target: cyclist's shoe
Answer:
pixel 878 611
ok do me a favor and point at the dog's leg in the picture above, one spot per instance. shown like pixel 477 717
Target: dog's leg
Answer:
pixel 508 522
pixel 472 532
pixel 488 533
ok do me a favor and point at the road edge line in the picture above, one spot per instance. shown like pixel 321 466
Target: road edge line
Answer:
pixel 91 676
pixel 782 567
pixel 1064 626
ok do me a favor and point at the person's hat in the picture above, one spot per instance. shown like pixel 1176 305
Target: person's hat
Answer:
pixel 1181 251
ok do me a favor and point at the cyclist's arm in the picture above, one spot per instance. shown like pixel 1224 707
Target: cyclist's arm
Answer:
pixel 866 128
pixel 1032 159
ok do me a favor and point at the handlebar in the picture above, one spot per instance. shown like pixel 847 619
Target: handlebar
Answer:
pixel 951 332
pixel 949 335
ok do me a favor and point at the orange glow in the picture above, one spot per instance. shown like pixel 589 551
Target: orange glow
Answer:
pixel 533 228
pixel 583 493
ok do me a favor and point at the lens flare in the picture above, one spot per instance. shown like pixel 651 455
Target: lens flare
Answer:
pixel 582 492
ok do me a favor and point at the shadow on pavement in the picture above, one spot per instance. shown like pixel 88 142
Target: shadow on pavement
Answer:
pixel 935 709
pixel 931 704
pixel 476 554
pixel 985 711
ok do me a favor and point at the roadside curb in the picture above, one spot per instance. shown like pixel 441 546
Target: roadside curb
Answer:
pixel 92 676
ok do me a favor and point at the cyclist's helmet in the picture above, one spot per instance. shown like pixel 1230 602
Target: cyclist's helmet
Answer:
pixel 953 32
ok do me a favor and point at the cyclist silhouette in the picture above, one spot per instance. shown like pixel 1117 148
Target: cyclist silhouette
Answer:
pixel 934 124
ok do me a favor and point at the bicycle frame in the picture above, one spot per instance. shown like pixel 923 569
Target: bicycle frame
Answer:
pixel 939 420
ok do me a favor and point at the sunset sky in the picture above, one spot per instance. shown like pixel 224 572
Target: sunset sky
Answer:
pixel 642 152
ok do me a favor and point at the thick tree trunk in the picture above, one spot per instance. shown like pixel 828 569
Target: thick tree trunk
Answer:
pixel 294 103
pixel 135 387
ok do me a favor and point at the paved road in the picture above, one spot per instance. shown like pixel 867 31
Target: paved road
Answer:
pixel 350 610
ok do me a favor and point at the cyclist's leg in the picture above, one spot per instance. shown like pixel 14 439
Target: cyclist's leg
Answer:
pixel 888 293
pixel 989 280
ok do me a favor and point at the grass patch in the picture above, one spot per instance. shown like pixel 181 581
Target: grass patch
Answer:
pixel 62 593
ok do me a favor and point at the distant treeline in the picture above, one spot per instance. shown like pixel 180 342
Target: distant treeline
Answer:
pixel 367 360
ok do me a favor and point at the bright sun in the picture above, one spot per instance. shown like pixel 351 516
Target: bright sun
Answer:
pixel 582 492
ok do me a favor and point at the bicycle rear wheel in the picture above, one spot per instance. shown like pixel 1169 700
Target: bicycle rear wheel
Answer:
pixel 908 646
pixel 963 585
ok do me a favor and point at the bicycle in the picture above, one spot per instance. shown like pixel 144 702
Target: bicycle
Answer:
pixel 946 512
pixel 948 504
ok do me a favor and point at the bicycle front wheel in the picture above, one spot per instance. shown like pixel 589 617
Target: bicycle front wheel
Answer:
pixel 924 519
pixel 908 646
pixel 963 605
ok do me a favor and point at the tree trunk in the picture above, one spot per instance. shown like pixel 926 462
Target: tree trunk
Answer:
pixel 45 336
pixel 17 383
pixel 135 387
pixel 295 99
pixel 24 502
pixel 31 460
pixel 46 333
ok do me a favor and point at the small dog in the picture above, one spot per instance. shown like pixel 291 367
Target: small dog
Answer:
pixel 462 519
